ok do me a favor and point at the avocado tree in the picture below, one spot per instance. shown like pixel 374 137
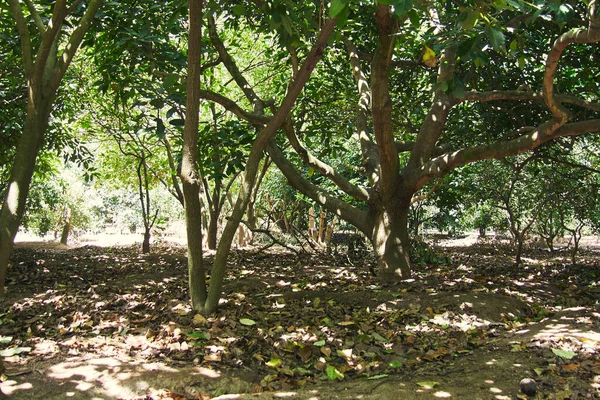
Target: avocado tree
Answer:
pixel 491 86
pixel 50 36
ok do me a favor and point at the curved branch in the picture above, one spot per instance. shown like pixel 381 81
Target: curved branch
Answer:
pixel 324 169
pixel 26 47
pixel 370 156
pixel 75 41
pixel 231 65
pixel 441 165
pixel 36 17
pixel 578 35
pixel 332 203
pixel 518 95
pixel 234 108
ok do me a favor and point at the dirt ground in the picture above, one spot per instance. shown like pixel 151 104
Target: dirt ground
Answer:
pixel 93 322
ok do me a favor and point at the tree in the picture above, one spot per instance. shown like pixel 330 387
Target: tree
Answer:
pixel 201 300
pixel 49 39
pixel 470 116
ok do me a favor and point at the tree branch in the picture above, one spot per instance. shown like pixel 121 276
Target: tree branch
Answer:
pixel 231 65
pixel 370 156
pixel 324 169
pixel 36 17
pixel 26 47
pixel 74 41
pixel 578 35
pixel 234 108
pixel 436 118
pixel 518 95
pixel 381 101
pixel 333 204
pixel 441 165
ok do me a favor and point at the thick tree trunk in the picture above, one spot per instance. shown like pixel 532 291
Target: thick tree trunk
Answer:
pixel 391 243
pixel 23 166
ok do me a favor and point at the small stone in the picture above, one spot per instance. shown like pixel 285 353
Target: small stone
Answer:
pixel 528 386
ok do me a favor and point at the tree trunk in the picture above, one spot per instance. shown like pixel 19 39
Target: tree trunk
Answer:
pixel 64 237
pixel 253 161
pixel 22 169
pixel 189 170
pixel 213 227
pixel 391 244
pixel 146 242
pixel 520 239
pixel 44 71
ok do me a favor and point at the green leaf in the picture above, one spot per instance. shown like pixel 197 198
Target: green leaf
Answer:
pixel 333 373
pixel 157 103
pixel 196 336
pixel 414 17
pixel 319 343
pixel 247 321
pixel 177 122
pixel 566 354
pixel 337 6
pixel 377 337
pixel 380 376
pixel 565 13
pixel 497 38
pixel 287 24
pixel 239 10
pixel 514 46
pixel 396 364
pixel 274 363
pixel 14 351
pixel 170 80
pixel 470 19
pixel 427 385
pixel 160 128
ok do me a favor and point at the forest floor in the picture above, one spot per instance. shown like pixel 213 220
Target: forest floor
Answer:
pixel 94 322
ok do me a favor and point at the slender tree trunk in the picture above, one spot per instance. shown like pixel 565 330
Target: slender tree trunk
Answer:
pixel 252 164
pixel 64 237
pixel 189 170
pixel 213 227
pixel 520 239
pixel 146 242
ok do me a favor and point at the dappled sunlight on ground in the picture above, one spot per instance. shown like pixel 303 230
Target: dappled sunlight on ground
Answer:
pixel 106 321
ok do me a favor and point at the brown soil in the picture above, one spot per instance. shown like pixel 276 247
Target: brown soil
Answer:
pixel 108 323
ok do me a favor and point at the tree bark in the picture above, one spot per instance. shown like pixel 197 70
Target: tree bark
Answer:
pixel 22 169
pixel 64 237
pixel 391 241
pixel 189 169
